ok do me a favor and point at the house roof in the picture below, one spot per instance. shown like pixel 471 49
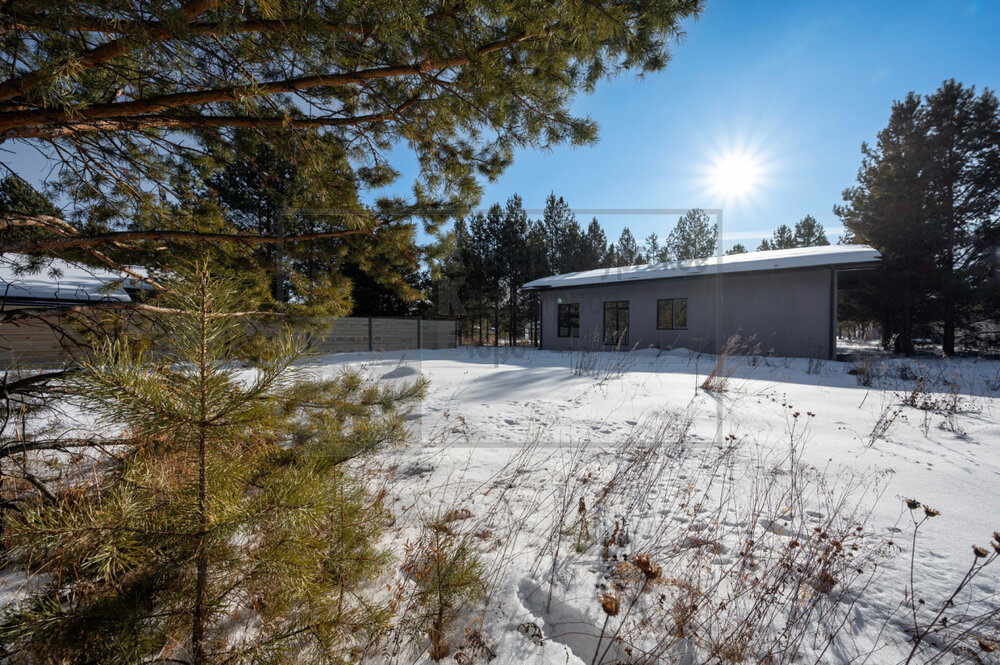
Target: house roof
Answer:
pixel 778 259
pixel 61 282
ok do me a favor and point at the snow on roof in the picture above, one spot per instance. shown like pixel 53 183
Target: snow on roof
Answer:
pixel 61 282
pixel 778 259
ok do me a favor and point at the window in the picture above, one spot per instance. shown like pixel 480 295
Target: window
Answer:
pixel 569 320
pixel 672 314
pixel 616 322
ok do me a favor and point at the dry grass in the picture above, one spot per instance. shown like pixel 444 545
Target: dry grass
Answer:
pixel 718 379
pixel 694 561
pixel 602 362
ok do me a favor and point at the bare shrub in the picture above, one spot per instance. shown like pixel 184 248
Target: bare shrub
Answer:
pixel 592 361
pixel 866 371
pixel 718 570
pixel 718 379
pixel 963 623
pixel 947 405
pixel 456 514
pixel 815 366
pixel 993 383
pixel 886 417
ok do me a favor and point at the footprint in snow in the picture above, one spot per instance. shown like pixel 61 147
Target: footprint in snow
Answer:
pixel 399 373
pixel 416 470
pixel 567 623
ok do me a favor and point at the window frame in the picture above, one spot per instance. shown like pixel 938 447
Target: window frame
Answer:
pixel 617 306
pixel 673 313
pixel 570 329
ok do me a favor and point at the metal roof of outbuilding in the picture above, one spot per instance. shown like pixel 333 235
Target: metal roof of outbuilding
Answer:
pixel 59 281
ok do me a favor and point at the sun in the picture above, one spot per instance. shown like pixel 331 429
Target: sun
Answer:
pixel 735 175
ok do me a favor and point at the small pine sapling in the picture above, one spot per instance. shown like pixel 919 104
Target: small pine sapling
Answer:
pixel 225 525
pixel 447 574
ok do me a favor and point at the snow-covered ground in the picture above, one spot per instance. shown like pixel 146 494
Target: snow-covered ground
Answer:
pixel 773 513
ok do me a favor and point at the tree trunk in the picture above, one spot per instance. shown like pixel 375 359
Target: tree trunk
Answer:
pixel 513 317
pixel 948 341
pixel 201 561
pixel 907 337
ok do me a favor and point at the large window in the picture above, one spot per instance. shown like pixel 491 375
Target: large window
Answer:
pixel 616 322
pixel 672 314
pixel 569 320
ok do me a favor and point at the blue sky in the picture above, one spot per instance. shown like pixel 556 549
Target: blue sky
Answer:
pixel 797 84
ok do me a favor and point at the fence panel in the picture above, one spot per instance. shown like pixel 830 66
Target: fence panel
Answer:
pixel 438 335
pixel 394 334
pixel 33 344
pixel 30 344
pixel 346 335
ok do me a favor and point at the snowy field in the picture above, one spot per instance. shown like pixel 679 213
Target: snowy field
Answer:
pixel 766 522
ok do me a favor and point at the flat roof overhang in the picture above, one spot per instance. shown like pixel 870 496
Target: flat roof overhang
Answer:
pixel 707 273
pixel 828 256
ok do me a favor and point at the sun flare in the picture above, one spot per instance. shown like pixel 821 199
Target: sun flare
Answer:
pixel 735 175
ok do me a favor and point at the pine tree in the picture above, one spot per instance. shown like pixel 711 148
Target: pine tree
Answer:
pixel 538 266
pixel 694 237
pixel 493 264
pixel 886 210
pixel 611 257
pixel 738 248
pixel 557 219
pixel 809 233
pixel 627 249
pixel 117 92
pixel 927 198
pixel 652 249
pixel 962 140
pixel 289 185
pixel 595 247
pixel 575 251
pixel 513 260
pixel 782 238
pixel 226 527
pixel 450 288
pixel 17 195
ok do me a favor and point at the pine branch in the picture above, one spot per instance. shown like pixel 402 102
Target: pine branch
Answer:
pixel 65 444
pixel 30 384
pixel 19 85
pixel 28 21
pixel 153 121
pixel 40 486
pixel 69 240
pixel 14 315
pixel 12 121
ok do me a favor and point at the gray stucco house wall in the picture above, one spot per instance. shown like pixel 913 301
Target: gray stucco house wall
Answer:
pixel 784 311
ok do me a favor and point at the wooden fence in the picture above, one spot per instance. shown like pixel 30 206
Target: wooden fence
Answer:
pixel 359 333
pixel 33 343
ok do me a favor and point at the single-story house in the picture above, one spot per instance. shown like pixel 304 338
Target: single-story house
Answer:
pixel 782 302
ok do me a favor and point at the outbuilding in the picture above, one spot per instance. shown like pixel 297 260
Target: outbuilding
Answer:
pixel 33 298
pixel 779 302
